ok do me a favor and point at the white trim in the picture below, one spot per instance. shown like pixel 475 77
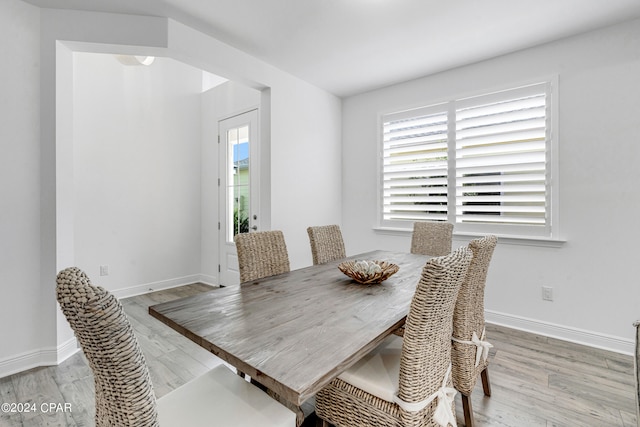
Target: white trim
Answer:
pixel 239 112
pixel 226 248
pixel 554 156
pixel 549 235
pixel 56 355
pixel 551 330
pixel 209 280
pixel 66 350
pixel 163 284
pixel 42 357
pixel 506 239
pixel 517 240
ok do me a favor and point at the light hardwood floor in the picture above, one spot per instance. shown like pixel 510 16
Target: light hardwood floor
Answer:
pixel 536 381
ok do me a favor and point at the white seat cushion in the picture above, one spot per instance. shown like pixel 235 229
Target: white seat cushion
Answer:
pixel 222 398
pixel 378 372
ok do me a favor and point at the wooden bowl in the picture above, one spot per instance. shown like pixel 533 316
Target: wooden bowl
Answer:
pixel 368 272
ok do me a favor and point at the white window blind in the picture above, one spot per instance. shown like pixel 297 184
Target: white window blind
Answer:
pixel 482 163
pixel 415 165
pixel 501 157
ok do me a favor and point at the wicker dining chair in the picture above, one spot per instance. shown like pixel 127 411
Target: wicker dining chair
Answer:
pixel 470 350
pixel 637 370
pixel 326 243
pixel 405 381
pixel 431 238
pixel 124 394
pixel 261 254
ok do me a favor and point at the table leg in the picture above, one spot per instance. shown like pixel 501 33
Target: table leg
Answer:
pixel 300 416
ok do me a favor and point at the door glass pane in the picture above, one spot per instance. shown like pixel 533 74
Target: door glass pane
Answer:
pixel 238 181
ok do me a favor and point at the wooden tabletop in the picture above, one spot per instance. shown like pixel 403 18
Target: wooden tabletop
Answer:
pixel 295 332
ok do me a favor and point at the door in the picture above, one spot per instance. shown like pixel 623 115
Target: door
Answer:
pixel 238 188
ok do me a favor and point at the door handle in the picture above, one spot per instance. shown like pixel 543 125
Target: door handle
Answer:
pixel 254 228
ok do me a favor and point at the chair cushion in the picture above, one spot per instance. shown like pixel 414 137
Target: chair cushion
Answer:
pixel 222 398
pixel 378 372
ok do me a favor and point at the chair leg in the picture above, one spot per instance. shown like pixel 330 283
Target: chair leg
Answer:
pixel 468 412
pixel 321 423
pixel 486 386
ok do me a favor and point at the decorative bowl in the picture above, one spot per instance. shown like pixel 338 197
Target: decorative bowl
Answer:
pixel 368 272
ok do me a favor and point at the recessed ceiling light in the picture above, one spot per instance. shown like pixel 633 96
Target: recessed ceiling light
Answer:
pixel 135 60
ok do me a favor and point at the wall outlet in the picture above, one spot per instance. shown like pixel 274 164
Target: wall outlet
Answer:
pixel 547 293
pixel 104 270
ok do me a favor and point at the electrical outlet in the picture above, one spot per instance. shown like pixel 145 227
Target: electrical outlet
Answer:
pixel 104 270
pixel 547 293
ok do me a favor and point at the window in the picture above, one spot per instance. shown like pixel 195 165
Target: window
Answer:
pixel 415 165
pixel 483 163
pixel 238 181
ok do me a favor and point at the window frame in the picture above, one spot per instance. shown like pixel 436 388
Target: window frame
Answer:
pixel 550 231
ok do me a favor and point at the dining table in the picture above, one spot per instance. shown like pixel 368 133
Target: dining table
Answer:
pixel 295 332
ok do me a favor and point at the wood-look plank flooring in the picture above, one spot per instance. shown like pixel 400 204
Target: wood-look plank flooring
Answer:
pixel 536 381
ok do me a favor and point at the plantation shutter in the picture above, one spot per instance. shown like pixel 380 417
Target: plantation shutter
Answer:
pixel 414 165
pixel 501 157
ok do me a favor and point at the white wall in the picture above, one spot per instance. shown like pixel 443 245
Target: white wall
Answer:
pixel 300 171
pixel 306 166
pixel 136 147
pixel 594 273
pixel 38 222
pixel 20 181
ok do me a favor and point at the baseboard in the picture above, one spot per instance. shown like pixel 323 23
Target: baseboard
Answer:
pixel 163 284
pixel 57 355
pixel 54 356
pixel 575 335
pixel 37 358
pixel 209 280
pixel 66 350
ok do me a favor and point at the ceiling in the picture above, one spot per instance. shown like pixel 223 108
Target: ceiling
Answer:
pixel 352 46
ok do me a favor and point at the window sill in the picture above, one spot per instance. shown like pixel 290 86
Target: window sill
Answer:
pixel 502 238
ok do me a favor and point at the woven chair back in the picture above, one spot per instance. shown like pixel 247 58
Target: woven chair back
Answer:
pixel 123 389
pixel 261 254
pixel 468 316
pixel 326 243
pixel 426 349
pixel 431 238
